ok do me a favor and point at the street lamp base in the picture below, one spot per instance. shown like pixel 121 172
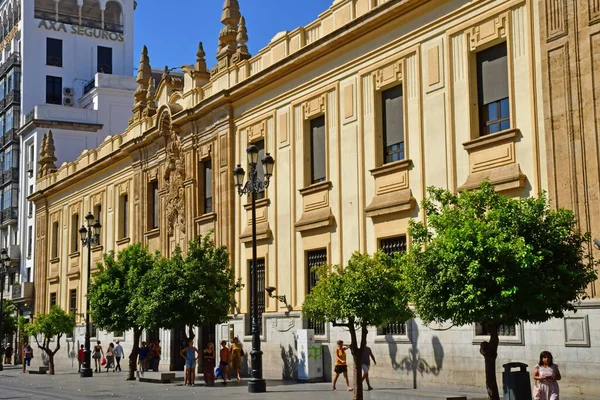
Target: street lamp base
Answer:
pixel 257 386
pixel 86 373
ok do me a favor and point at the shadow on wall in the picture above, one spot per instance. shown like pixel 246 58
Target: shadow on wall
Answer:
pixel 413 361
pixel 289 369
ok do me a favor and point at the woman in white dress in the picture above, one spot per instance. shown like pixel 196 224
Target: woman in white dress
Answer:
pixel 546 375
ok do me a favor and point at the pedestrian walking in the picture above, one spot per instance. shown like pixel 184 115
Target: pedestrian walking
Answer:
pixel 110 357
pixel 118 355
pixel 98 355
pixel 190 354
pixel 208 367
pixel 224 356
pixel 546 375
pixel 80 357
pixel 143 353
pixel 8 352
pixel 28 352
pixel 340 364
pixel 366 365
pixel 237 352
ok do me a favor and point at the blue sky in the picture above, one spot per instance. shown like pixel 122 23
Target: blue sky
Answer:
pixel 172 28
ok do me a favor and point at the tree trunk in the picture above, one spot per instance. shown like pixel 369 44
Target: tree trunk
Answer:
pixel 137 334
pixel 489 351
pixel 50 361
pixel 357 352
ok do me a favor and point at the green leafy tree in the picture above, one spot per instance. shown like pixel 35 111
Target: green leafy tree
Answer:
pixel 117 296
pixel 191 290
pixel 9 317
pixel 488 259
pixel 369 291
pixel 49 326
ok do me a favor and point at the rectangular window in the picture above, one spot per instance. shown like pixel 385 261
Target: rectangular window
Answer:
pixel 153 201
pixel 73 300
pixel 74 233
pixel 124 216
pixel 208 187
pixel 52 299
pixel 317 150
pixel 503 330
pixel 9 120
pixel 54 239
pixel 53 90
pixel 29 241
pixel 392 124
pixel 54 52
pixel 315 258
pixel 28 274
pixel 259 167
pixel 104 60
pixel 260 290
pixel 391 246
pixel 492 90
pixel 97 217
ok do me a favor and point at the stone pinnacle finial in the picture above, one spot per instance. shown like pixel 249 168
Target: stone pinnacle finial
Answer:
pixel 47 157
pixel 230 18
pixel 150 99
pixel 143 76
pixel 242 38
pixel 200 60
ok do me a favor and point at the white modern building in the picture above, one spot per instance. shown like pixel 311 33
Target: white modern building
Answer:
pixel 66 68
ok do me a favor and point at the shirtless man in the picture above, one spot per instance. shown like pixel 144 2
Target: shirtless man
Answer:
pixel 224 363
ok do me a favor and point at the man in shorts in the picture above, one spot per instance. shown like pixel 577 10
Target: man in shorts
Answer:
pixel 366 364
pixel 340 364
pixel 224 362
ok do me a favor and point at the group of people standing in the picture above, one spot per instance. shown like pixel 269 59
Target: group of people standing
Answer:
pixel 103 359
pixel 149 356
pixel 7 354
pixel 229 356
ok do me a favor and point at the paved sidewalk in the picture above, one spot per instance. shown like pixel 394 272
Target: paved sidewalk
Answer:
pixel 15 385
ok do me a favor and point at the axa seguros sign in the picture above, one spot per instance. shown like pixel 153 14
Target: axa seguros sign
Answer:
pixel 81 30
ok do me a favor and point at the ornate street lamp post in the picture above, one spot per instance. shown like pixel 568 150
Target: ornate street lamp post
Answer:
pixel 89 236
pixel 253 186
pixel 4 264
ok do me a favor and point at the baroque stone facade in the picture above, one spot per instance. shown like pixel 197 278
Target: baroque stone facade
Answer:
pixel 362 110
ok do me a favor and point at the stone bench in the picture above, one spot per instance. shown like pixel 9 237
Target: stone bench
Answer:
pixel 156 377
pixel 40 371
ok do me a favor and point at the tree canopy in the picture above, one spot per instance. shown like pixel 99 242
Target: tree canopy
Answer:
pixel 117 296
pixel 485 258
pixel 369 291
pixel 194 289
pixel 49 326
pixel 9 317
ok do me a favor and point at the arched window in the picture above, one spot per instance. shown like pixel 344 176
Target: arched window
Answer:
pixel 45 9
pixel 91 14
pixel 113 17
pixel 68 12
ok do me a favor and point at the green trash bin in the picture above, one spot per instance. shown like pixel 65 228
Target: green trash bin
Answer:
pixel 517 384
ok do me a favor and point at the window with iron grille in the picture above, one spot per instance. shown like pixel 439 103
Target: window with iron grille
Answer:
pixel 503 330
pixel 52 299
pixel 391 246
pixel 260 293
pixel 315 258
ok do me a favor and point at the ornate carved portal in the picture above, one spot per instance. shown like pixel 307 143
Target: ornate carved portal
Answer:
pixel 174 176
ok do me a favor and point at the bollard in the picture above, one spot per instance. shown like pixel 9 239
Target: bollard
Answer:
pixel 516 384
